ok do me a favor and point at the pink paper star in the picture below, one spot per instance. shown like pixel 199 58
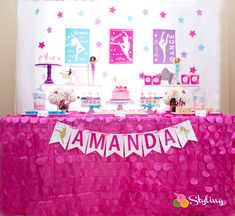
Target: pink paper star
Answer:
pixel 199 12
pixel 112 9
pixel 60 14
pixel 97 21
pixel 184 54
pixel 49 29
pixel 163 14
pixel 145 12
pixel 98 44
pixel 193 69
pixel 141 75
pixel 192 33
pixel 41 45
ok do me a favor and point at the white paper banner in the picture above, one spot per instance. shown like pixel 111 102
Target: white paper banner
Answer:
pixel 61 134
pixel 114 144
pixel 133 144
pixel 78 140
pixel 185 132
pixel 168 139
pixel 96 143
pixel 150 142
pixel 123 144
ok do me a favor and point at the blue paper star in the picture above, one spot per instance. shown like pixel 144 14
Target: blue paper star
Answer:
pixel 104 74
pixel 146 49
pixel 81 13
pixel 37 11
pixel 129 18
pixel 181 20
pixel 201 47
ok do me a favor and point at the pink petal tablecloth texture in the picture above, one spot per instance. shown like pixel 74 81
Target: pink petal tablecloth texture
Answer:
pixel 43 179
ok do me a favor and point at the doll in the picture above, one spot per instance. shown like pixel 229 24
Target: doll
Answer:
pixel 177 61
pixel 93 61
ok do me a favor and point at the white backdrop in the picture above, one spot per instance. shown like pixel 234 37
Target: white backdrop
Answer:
pixel 39 23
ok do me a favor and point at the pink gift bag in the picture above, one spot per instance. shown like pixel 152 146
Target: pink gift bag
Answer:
pixel 148 80
pixel 194 79
pixel 156 80
pixel 185 79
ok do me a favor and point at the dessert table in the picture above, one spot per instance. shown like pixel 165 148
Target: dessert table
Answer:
pixel 43 179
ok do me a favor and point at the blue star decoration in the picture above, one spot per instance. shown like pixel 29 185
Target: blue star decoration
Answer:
pixel 129 18
pixel 37 11
pixel 181 19
pixel 81 13
pixel 104 74
pixel 201 47
pixel 146 48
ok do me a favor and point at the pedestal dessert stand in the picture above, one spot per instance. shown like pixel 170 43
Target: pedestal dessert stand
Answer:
pixel 120 103
pixel 92 106
pixel 49 67
pixel 149 107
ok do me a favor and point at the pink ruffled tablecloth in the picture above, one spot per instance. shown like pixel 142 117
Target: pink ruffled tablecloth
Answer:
pixel 43 179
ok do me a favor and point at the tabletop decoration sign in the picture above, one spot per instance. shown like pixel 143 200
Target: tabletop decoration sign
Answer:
pixel 124 145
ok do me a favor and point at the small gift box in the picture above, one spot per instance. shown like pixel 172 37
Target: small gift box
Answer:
pixel 156 80
pixel 194 79
pixel 199 100
pixel 185 79
pixel 148 80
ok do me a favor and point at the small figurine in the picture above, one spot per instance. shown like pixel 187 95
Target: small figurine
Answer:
pixel 68 75
pixel 177 61
pixel 93 61
pixel 62 105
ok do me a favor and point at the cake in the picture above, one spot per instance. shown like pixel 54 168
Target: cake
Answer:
pixel 120 93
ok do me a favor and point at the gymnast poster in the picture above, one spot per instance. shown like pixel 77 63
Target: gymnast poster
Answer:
pixel 164 47
pixel 121 46
pixel 77 46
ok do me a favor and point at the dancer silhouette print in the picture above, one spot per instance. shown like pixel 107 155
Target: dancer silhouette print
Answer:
pixel 78 46
pixel 162 44
pixel 124 45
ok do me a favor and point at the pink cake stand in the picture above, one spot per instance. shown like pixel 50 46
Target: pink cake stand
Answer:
pixel 49 66
pixel 120 103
